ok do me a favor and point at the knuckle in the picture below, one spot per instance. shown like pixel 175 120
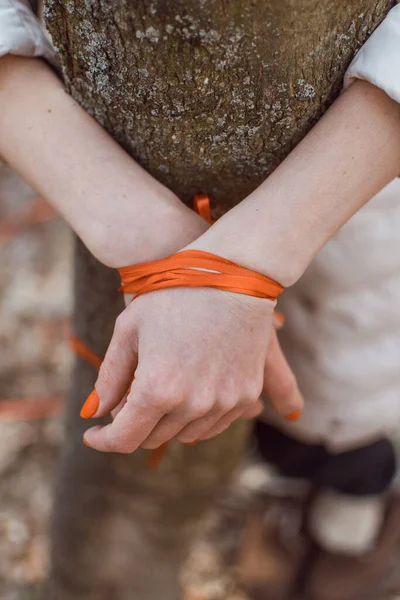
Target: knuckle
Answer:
pixel 146 385
pixel 254 389
pixel 159 399
pixel 250 399
pixel 202 407
pixel 156 391
pixel 227 402
pixel 167 400
pixel 249 402
pixel 147 381
pixel 163 402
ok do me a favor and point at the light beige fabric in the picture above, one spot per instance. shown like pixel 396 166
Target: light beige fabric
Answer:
pixel 342 331
pixel 378 61
pixel 21 32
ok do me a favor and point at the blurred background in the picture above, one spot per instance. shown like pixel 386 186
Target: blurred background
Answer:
pixel 253 545
pixel 35 362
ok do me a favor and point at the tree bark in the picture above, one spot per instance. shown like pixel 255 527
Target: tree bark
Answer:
pixel 209 96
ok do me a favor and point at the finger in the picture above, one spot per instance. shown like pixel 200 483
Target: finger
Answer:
pixel 131 426
pixel 255 411
pixel 170 425
pixel 226 411
pixel 280 385
pixel 231 417
pixel 225 406
pixel 165 430
pixel 278 320
pixel 116 372
pixel 120 406
pixel 199 427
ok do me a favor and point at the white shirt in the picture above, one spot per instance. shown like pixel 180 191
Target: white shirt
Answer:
pixel 21 32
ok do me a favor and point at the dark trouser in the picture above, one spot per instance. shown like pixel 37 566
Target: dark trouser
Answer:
pixel 368 470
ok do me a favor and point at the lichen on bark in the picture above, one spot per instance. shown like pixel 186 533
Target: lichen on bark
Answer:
pixel 209 95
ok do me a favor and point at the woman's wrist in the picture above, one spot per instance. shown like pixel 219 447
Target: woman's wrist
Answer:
pixel 120 212
pixel 279 263
pixel 352 152
pixel 131 240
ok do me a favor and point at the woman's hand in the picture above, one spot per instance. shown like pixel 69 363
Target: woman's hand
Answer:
pixel 199 357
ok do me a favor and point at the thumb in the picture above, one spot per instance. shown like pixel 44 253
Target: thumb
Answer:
pixel 117 370
pixel 280 385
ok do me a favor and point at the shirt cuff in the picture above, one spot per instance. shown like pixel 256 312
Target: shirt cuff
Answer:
pixel 21 32
pixel 378 61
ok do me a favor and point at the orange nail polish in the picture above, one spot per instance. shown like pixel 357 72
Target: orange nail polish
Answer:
pixel 86 443
pixel 294 416
pixel 91 405
pixel 192 443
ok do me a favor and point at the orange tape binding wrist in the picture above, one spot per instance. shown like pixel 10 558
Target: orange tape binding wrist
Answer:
pixel 195 268
pixel 189 268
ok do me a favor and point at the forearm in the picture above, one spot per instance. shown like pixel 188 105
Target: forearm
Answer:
pixel 73 163
pixel 352 152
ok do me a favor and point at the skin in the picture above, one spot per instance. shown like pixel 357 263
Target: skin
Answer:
pixel 122 214
pixel 277 230
pixel 200 357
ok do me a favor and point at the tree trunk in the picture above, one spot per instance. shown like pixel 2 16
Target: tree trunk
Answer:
pixel 209 96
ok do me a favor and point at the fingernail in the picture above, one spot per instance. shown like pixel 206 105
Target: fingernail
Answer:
pixel 294 416
pixel 86 443
pixel 91 405
pixel 192 443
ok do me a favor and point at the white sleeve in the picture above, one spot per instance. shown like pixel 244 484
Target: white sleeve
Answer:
pixel 378 61
pixel 21 32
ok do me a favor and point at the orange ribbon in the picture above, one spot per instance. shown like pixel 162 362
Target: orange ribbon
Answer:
pixel 201 205
pixel 195 268
pixel 189 268
pixel 84 352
